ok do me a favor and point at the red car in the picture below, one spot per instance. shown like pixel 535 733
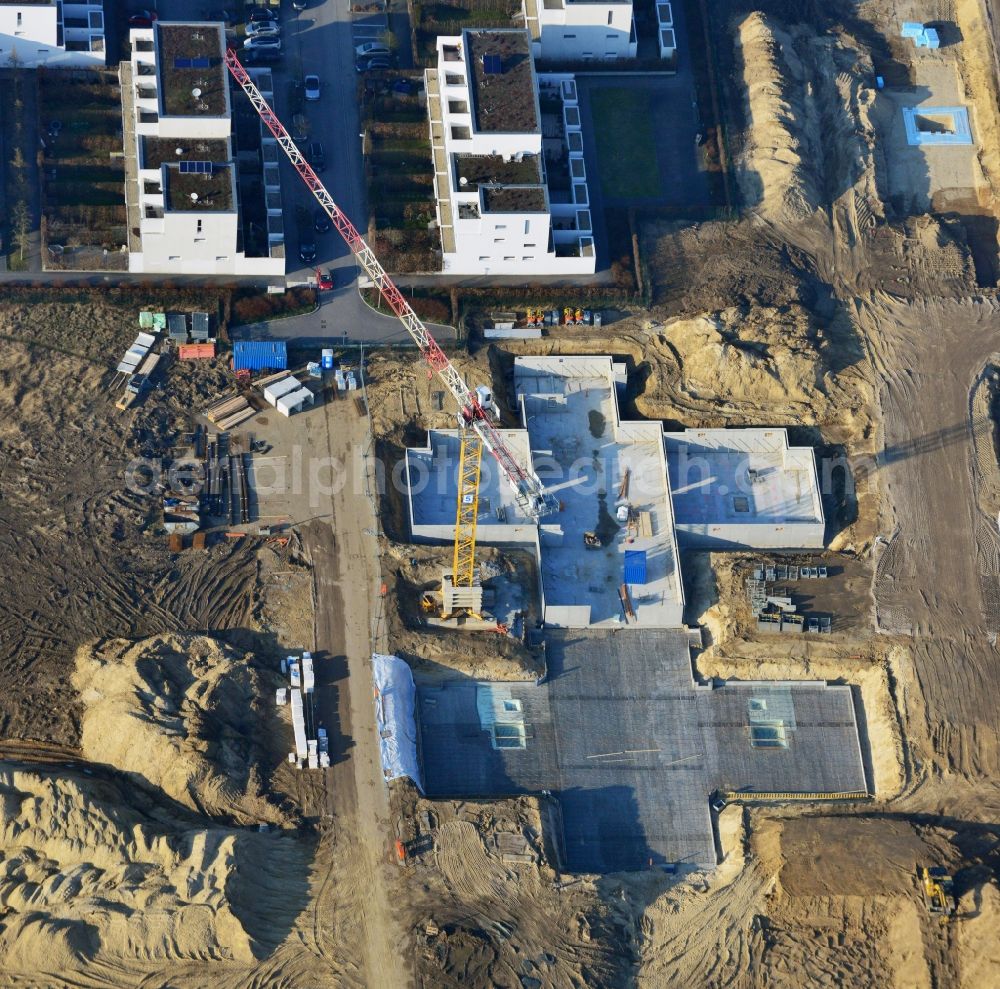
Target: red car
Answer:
pixel 144 18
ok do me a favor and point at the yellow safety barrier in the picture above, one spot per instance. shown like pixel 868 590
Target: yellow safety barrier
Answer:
pixel 749 795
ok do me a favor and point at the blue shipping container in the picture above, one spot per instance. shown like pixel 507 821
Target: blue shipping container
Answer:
pixel 258 355
pixel 635 566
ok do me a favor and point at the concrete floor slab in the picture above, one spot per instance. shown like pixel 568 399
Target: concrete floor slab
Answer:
pixel 633 747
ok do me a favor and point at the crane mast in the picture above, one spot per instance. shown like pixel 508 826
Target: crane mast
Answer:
pixel 528 490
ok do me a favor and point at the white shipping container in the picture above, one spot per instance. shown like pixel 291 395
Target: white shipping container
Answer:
pixel 313 754
pixel 324 760
pixel 281 696
pixel 299 724
pixel 308 679
pixel 294 673
pixel 275 390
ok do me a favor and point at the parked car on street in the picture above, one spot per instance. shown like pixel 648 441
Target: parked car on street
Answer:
pixel 311 87
pixel 144 18
pixel 261 56
pixel 271 41
pixel 375 62
pixel 258 29
pixel 321 222
pixel 260 14
pixel 372 48
pixel 315 156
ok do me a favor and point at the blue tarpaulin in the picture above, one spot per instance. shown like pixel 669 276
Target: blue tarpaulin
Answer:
pixel 259 355
pixel 635 566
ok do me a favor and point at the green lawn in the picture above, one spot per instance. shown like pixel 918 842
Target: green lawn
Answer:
pixel 626 149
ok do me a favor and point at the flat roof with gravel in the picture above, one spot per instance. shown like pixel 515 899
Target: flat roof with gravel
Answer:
pixel 190 60
pixel 502 81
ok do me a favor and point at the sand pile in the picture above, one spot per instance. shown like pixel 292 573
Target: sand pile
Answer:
pixel 181 711
pixel 721 366
pixel 978 946
pixel 808 108
pixel 85 877
pixel 779 170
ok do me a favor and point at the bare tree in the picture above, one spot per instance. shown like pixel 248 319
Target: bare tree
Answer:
pixel 21 225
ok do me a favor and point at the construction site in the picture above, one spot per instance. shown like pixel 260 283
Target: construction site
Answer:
pixel 654 650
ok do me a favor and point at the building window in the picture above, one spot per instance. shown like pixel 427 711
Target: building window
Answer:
pixel 527 227
pixel 510 258
pixel 174 257
pixel 530 245
pixel 568 36
pixel 223 258
pixel 499 240
pixel 483 257
pixel 527 259
pixel 199 227
pixel 587 55
pixel 610 16
pixel 500 226
pixel 19 18
pixel 610 37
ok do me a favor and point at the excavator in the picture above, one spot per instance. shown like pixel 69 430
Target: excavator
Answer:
pixel 939 892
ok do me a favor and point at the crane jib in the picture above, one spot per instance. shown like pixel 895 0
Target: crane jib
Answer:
pixel 528 489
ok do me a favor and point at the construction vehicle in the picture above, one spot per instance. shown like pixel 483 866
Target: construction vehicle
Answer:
pixel 939 892
pixel 478 426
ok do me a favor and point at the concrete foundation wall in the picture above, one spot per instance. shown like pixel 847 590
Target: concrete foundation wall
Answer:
pixel 806 535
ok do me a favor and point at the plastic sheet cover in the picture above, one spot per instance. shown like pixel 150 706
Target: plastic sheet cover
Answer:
pixel 395 699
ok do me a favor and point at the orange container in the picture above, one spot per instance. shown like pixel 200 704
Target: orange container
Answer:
pixel 196 351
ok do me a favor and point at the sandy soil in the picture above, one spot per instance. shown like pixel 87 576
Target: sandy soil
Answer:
pixel 128 852
pixel 90 561
pixel 184 713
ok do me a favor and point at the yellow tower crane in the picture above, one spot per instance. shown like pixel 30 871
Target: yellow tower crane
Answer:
pixel 479 428
pixel 463 572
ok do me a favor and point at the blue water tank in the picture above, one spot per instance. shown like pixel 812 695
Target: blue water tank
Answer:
pixel 635 566
pixel 260 355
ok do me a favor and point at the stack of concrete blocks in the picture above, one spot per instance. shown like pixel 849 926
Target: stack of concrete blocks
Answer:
pixel 665 30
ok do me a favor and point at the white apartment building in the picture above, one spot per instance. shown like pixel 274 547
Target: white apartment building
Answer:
pixel 50 32
pixel 494 209
pixel 580 30
pixel 182 179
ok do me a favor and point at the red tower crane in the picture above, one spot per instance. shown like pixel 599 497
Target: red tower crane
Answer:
pixel 528 489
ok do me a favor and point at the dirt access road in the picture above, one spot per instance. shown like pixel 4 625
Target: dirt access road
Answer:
pixel 346 596
pixel 937 579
